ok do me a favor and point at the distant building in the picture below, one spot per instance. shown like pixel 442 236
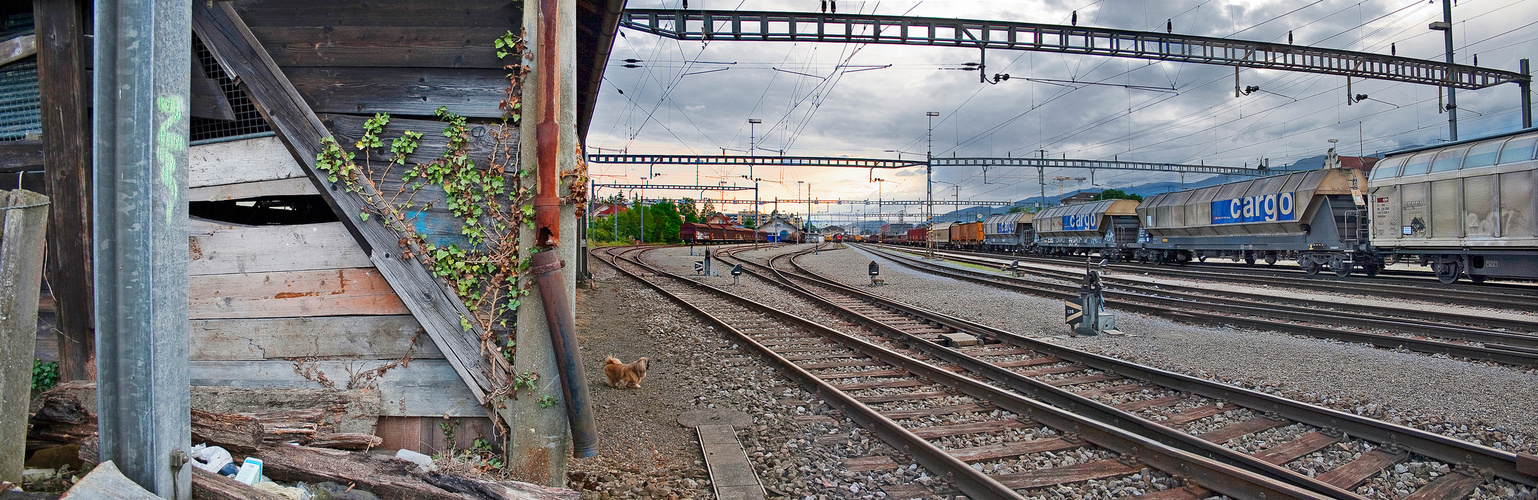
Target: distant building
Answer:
pixel 720 219
pixel 781 228
pixel 609 209
pixel 1078 198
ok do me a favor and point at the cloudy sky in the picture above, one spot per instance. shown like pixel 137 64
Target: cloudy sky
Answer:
pixel 860 100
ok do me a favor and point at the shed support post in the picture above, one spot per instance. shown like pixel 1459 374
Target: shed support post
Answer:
pixel 67 168
pixel 143 51
pixel 23 225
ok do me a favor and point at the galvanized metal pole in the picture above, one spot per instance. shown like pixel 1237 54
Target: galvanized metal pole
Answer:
pixel 143 51
pixel 1452 97
pixel 929 184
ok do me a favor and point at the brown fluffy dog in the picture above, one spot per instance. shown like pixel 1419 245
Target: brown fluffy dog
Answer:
pixel 622 375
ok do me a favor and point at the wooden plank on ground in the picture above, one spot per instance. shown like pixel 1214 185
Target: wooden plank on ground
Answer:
pixel 1045 360
pixel 423 388
pixel 1348 476
pixel 938 410
pixel 262 249
pixel 1195 413
pixel 385 46
pixel 361 337
pixel 1448 487
pixel 881 384
pixel 1100 469
pixel 433 304
pixel 987 427
pixel 1176 494
pixel 297 186
pixel 1083 379
pixel 1149 403
pixel 907 396
pixel 906 491
pixel 319 15
pixel 1015 449
pixel 332 292
pixel 233 162
pixel 64 91
pixel 1133 386
pixel 475 93
pixel 731 474
pixel 1292 450
pixel 1250 426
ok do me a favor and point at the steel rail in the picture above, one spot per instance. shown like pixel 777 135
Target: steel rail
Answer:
pixel 1505 465
pixel 1220 477
pixel 1160 306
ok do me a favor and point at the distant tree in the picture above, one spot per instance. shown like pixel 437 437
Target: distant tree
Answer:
pixel 1016 209
pixel 687 208
pixel 709 209
pixel 1117 194
pixel 663 222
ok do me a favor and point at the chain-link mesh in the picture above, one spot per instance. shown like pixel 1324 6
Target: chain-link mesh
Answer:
pixel 247 119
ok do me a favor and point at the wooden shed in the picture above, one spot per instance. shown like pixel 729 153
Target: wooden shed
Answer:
pixel 292 285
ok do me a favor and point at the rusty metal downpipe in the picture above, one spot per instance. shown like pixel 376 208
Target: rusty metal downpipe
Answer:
pixel 546 265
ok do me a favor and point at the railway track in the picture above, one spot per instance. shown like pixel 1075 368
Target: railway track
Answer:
pixel 1474 337
pixel 1179 410
pixel 1512 297
pixel 928 412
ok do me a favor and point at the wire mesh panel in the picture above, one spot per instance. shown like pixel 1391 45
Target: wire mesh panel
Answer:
pixel 247 119
pixel 20 113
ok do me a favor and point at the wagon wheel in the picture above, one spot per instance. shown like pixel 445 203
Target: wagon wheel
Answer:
pixel 1270 259
pixel 1201 257
pixel 1447 272
pixel 1477 278
pixel 1249 259
pixel 1311 268
pixel 1372 269
pixel 1341 267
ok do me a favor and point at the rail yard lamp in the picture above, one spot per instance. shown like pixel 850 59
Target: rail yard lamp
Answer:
pixel 752 145
pixel 929 186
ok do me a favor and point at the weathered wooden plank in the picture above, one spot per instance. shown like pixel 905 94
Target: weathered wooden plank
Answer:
pixel 260 249
pixel 297 186
pixel 1291 450
pixel 61 81
pixel 1014 449
pixel 22 243
pixel 439 310
pixel 1449 487
pixel 1348 476
pixel 423 388
pixel 1067 474
pixel 333 292
pixel 209 486
pixel 366 13
pixel 475 93
pixel 18 48
pixel 479 143
pixel 1250 426
pixel 425 434
pixel 19 156
pixel 985 427
pixel 938 410
pixel 362 337
pixel 1149 403
pixel 383 46
pixel 1195 413
pixel 250 160
pixel 207 99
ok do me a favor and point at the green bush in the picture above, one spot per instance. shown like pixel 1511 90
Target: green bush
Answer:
pixel 44 375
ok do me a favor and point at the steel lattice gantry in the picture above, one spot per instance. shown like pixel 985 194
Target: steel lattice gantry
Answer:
pixel 1098 164
pixel 674 187
pixel 758 161
pixel 899 30
pixel 840 201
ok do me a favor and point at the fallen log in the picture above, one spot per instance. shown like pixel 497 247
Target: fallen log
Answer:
pixel 344 440
pixel 236 433
pixel 209 486
pixel 384 477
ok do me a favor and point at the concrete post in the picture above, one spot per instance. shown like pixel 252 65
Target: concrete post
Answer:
pixel 540 438
pixel 23 223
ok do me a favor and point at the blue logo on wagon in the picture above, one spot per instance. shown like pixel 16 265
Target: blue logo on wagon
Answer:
pixel 1081 222
pixel 1261 208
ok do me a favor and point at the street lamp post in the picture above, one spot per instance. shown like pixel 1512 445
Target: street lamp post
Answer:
pixel 929 187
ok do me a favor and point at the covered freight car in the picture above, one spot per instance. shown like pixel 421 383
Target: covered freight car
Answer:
pixel 967 235
pixel 1309 216
pixel 1001 233
pixel 918 236
pixel 1107 227
pixel 1467 208
pixel 939 234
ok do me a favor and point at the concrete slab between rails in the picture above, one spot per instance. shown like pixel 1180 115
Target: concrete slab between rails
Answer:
pixel 730 472
pixel 696 418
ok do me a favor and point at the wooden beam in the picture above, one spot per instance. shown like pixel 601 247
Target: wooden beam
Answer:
pixel 21 156
pixel 383 46
pixel 261 249
pixel 67 154
pixel 17 49
pixel 261 339
pixel 207 99
pixel 430 300
pixel 234 162
pixel 475 93
pixel 423 388
pixel 329 292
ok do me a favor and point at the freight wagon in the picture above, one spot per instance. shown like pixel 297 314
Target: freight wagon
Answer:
pixel 966 235
pixel 1106 227
pixel 1010 232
